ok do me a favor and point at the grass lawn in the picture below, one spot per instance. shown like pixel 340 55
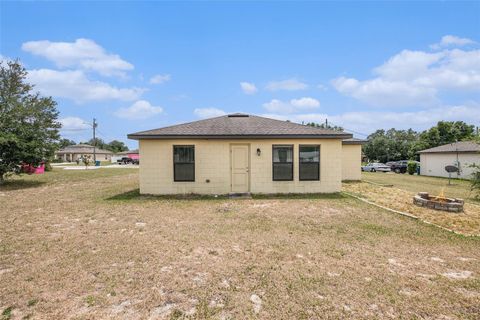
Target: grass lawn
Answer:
pixel 85 245
pixel 414 183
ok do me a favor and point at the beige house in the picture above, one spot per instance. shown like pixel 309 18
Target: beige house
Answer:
pixel 352 159
pixel 242 153
pixel 459 154
pixel 75 152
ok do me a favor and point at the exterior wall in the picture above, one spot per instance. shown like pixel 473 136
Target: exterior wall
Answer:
pixel 71 157
pixel 351 162
pixel 212 162
pixel 433 164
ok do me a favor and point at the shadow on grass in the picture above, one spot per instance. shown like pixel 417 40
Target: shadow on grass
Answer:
pixel 135 195
pixel 14 184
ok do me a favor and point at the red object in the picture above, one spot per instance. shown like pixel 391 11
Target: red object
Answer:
pixel 133 156
pixel 28 168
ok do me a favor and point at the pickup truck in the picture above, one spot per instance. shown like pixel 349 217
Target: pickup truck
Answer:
pixel 125 160
pixel 399 166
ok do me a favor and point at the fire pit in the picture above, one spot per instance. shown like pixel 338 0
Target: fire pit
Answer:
pixel 440 202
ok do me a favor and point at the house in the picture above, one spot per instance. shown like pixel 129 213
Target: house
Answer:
pixel 352 159
pixel 75 152
pixel 241 153
pixel 460 154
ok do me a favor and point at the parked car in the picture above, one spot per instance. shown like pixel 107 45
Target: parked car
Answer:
pixel 135 161
pixel 399 166
pixel 375 166
pixel 125 160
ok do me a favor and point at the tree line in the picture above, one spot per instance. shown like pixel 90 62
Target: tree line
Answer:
pixel 394 145
pixel 115 146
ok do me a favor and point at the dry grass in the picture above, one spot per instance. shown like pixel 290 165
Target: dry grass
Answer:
pixel 84 245
pixel 414 183
pixel 399 197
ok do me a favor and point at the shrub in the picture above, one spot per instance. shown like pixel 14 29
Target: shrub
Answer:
pixel 48 166
pixel 475 182
pixel 412 167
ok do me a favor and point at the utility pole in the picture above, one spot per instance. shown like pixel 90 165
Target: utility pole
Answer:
pixel 94 126
pixel 326 123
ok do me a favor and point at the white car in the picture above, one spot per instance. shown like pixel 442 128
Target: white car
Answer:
pixel 375 166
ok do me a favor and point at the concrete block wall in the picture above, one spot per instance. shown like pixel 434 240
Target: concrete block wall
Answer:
pixel 212 162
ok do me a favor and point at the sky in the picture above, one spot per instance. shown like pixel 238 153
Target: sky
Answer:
pixel 143 65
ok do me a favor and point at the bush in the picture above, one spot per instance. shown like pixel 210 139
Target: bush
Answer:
pixel 476 180
pixel 412 167
pixel 48 166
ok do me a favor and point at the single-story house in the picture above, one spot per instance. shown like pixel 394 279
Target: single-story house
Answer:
pixel 75 152
pixel 352 158
pixel 241 153
pixel 460 154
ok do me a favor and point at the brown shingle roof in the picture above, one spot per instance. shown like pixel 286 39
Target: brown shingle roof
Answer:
pixel 83 148
pixel 462 146
pixel 354 141
pixel 239 126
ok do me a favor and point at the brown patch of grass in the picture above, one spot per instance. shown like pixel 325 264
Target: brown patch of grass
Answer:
pixel 467 222
pixel 83 247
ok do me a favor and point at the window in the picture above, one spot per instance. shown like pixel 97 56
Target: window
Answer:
pixel 282 158
pixel 183 163
pixel 309 168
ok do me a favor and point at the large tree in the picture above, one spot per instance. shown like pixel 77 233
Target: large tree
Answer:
pixel 391 145
pixel 116 146
pixel 28 121
pixel 63 143
pixel 445 132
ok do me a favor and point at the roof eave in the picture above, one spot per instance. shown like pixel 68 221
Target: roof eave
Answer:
pixel 359 142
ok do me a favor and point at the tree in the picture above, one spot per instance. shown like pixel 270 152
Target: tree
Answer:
pixel 324 126
pixel 446 132
pixel 391 145
pixel 63 143
pixel 28 121
pixel 116 146
pixel 99 143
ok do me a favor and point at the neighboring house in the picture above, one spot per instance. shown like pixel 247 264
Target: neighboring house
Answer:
pixel 352 159
pixel 459 154
pixel 242 153
pixel 75 152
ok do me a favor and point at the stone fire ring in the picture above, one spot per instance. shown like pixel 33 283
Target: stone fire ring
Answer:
pixel 423 199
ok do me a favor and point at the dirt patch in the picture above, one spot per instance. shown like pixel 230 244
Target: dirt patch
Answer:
pixel 87 253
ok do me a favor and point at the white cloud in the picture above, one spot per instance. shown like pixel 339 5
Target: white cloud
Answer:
pixel 248 87
pixel 288 85
pixel 367 122
pixel 292 106
pixel 160 78
pixel 305 103
pixel 208 112
pixel 416 78
pixel 76 86
pixel 141 109
pixel 450 40
pixel 73 124
pixel 83 53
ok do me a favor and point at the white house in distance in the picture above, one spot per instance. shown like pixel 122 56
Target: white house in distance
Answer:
pixel 241 153
pixel 75 152
pixel 461 154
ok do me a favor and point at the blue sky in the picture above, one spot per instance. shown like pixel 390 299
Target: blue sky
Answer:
pixel 143 65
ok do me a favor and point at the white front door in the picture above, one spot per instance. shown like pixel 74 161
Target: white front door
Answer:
pixel 240 163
